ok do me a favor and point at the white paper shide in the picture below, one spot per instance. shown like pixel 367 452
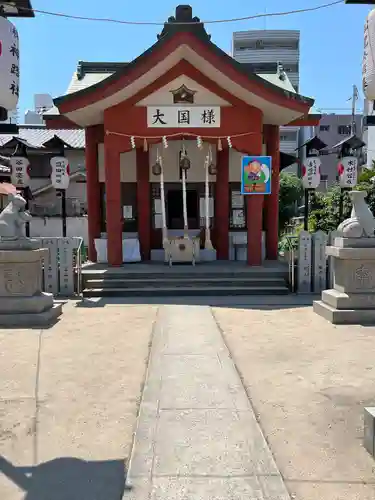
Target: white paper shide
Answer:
pixel 311 172
pixel 60 172
pixel 9 65
pixel 20 176
pixel 347 170
pixel 183 116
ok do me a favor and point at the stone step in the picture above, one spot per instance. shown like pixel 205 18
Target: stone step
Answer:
pixel 232 282
pixel 184 291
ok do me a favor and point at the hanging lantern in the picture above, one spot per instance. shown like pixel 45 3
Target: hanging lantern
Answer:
pixel 156 168
pixel 20 166
pixel 9 65
pixel 368 63
pixel 347 170
pixel 311 172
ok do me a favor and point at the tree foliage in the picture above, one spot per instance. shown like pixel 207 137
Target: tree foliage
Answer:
pixel 291 192
pixel 324 214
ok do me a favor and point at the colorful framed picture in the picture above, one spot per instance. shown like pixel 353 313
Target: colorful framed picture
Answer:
pixel 256 174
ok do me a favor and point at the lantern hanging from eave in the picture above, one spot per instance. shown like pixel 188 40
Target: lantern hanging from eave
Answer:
pixel 368 64
pixel 20 176
pixel 347 170
pixel 311 172
pixel 9 65
pixel 60 172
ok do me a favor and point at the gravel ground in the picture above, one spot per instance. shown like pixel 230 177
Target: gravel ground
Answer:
pixel 68 402
pixel 308 381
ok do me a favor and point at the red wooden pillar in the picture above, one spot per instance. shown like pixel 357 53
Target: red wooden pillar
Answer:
pixel 222 205
pixel 143 202
pixel 272 140
pixel 92 188
pixel 254 216
pixel 113 201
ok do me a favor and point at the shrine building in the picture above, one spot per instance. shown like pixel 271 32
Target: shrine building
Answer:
pixel 182 99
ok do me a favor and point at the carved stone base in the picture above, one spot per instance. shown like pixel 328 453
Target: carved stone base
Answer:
pixel 22 302
pixel 344 316
pixel 29 320
pixel 352 301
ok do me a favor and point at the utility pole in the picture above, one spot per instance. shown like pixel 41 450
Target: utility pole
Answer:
pixel 355 97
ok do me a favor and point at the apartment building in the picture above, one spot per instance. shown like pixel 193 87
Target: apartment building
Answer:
pixel 268 52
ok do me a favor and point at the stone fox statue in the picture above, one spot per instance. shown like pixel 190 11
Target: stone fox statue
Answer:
pixel 13 218
pixel 361 223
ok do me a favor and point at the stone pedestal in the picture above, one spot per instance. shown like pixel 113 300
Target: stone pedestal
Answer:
pixel 22 302
pixel 352 299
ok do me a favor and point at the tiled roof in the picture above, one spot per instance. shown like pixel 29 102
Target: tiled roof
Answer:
pixel 37 136
pixel 88 80
pixel 275 79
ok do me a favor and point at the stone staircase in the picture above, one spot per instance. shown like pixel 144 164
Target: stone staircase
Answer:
pixel 138 280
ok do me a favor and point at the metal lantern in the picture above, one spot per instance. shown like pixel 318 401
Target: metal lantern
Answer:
pixel 212 170
pixel 156 168
pixel 184 162
pixel 9 65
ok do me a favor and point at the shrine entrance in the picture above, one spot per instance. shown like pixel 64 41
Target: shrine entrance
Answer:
pixel 175 211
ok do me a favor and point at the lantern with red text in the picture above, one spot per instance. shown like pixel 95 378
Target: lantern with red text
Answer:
pixel 347 170
pixel 311 172
pixel 9 65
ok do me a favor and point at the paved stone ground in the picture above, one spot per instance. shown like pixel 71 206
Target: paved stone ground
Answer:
pixel 68 403
pixel 68 400
pixel 308 381
pixel 197 435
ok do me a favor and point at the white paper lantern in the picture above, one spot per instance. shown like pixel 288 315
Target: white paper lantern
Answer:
pixel 20 176
pixel 60 172
pixel 368 64
pixel 347 170
pixel 9 65
pixel 311 172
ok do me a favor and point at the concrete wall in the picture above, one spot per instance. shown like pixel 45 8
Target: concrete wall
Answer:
pixel 45 227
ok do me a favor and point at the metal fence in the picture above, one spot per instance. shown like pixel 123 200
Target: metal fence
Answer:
pixel 62 265
pixel 310 270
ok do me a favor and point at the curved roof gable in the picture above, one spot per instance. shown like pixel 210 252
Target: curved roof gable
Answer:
pixel 187 31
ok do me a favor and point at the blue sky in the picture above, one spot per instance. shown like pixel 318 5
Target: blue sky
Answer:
pixel 331 40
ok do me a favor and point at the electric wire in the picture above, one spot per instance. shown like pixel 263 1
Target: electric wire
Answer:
pixel 153 23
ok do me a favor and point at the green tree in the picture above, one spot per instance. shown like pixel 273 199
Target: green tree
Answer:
pixel 324 213
pixel 291 192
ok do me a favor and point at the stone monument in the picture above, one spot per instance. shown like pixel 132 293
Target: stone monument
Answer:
pixel 22 302
pixel 352 299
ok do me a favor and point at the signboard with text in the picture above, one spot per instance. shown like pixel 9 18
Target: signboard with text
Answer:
pixel 256 174
pixel 183 116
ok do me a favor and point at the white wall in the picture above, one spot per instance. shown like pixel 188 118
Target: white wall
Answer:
pixel 128 165
pixel 46 227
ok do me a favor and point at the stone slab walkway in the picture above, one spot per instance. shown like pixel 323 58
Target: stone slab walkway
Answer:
pixel 197 435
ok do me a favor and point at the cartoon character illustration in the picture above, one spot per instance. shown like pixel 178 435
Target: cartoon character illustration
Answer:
pixel 256 173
